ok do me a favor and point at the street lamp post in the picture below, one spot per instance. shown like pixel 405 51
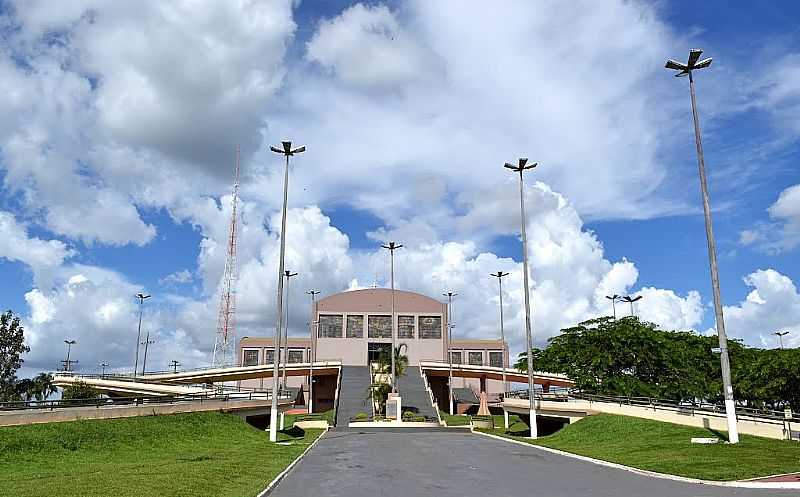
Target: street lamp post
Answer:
pixel 499 275
pixel 521 167
pixel 147 342
pixel 392 246
pixel 450 296
pixel 613 299
pixel 103 365
pixel 631 300
pixel 174 365
pixel 287 151
pixel 780 335
pixel 312 330
pixel 141 297
pixel 692 64
pixel 67 362
pixel 288 275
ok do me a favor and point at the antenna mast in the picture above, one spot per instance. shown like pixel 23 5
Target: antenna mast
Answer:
pixel 225 343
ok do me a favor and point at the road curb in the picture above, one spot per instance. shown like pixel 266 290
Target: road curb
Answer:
pixel 654 474
pixel 282 474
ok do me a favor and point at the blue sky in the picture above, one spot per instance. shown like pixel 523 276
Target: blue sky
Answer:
pixel 115 159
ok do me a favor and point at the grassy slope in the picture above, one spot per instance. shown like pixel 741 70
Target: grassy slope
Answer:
pixel 199 454
pixel 666 448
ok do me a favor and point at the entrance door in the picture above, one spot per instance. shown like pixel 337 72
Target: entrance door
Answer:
pixel 374 349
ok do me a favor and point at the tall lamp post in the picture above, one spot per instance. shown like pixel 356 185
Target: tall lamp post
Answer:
pixel 67 362
pixel 288 275
pixel 392 246
pixel 141 297
pixel 692 64
pixel 147 342
pixel 631 300
pixel 780 335
pixel 499 275
pixel 312 330
pixel 521 167
pixel 103 365
pixel 450 296
pixel 287 150
pixel 613 299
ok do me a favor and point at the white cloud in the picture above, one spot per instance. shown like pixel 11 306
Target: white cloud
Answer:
pixel 42 256
pixel 177 278
pixel 783 232
pixel 773 305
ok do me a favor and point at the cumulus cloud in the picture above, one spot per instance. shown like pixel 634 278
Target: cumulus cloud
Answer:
pixel 783 232
pixel 772 305
pixel 42 256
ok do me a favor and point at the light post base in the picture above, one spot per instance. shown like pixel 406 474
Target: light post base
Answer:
pixel 534 429
pixel 273 424
pixel 505 419
pixel 733 429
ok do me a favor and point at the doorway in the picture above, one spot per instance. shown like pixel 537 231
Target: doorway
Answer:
pixel 374 350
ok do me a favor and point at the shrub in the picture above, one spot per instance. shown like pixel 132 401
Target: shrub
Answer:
pixel 408 416
pixel 79 391
pixel 362 416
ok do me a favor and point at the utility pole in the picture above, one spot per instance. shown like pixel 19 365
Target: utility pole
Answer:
pixel 174 364
pixel 141 297
pixel 146 344
pixel 392 246
pixel 287 151
pixel 730 405
pixel 288 274
pixel 450 296
pixel 521 167
pixel 499 275
pixel 312 330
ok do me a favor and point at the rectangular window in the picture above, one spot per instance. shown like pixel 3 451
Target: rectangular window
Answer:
pixel 355 326
pixel 405 326
pixel 269 356
pixel 455 357
pixel 496 358
pixel 330 325
pixel 295 356
pixel 475 358
pixel 379 326
pixel 250 358
pixel 430 327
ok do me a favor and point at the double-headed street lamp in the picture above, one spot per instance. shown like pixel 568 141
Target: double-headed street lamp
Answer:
pixel 392 246
pixel 141 297
pixel 67 362
pixel 614 298
pixel 450 296
pixel 780 335
pixel 499 275
pixel 287 150
pixel 692 64
pixel 521 167
pixel 313 325
pixel 631 300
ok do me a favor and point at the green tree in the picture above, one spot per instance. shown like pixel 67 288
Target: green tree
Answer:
pixel 12 346
pixel 378 391
pixel 39 387
pixel 79 391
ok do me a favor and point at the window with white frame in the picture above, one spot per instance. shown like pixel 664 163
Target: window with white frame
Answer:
pixel 269 356
pixel 430 327
pixel 405 326
pixel 355 326
pixel 250 357
pixel 330 325
pixel 496 358
pixel 455 356
pixel 379 326
pixel 475 358
pixel 295 356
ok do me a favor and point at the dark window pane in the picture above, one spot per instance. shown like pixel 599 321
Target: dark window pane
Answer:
pixel 430 327
pixel 295 356
pixel 475 358
pixel 405 326
pixel 269 356
pixel 456 357
pixel 250 358
pixel 330 326
pixel 379 326
pixel 496 358
pixel 355 326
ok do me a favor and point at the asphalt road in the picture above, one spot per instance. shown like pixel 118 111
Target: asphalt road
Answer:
pixel 444 464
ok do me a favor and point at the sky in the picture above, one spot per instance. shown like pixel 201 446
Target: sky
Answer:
pixel 119 123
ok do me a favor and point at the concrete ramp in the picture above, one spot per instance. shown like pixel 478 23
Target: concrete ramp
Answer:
pixel 353 390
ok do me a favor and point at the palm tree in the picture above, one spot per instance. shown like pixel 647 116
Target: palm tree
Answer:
pixel 39 387
pixel 379 390
pixel 400 360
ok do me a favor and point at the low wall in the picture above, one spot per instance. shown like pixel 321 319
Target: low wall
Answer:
pixel 33 416
pixel 580 408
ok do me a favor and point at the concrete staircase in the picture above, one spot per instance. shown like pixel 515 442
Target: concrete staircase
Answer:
pixel 413 393
pixel 353 394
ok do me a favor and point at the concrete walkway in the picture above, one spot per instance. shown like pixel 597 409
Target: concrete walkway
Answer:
pixel 353 464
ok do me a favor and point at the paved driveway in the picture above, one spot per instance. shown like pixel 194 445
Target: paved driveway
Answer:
pixel 444 464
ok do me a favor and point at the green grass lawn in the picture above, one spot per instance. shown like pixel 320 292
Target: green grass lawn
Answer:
pixel 181 455
pixel 321 416
pixel 666 448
